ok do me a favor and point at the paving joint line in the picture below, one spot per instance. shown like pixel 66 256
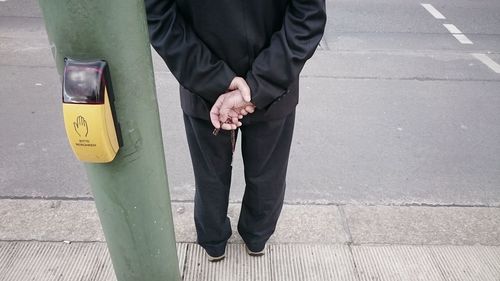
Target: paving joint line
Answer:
pixel 22 17
pixel 428 52
pixel 420 79
pixel 410 32
pixel 438 265
pixel 29 66
pixel 354 263
pixel 47 198
pixel 345 225
pixel 185 266
pixel 288 203
pixel 53 241
pixel 354 244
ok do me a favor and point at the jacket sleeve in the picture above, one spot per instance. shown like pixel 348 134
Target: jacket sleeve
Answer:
pixel 188 58
pixel 278 65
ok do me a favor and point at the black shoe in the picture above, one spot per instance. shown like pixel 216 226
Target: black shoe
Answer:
pixel 216 259
pixel 255 253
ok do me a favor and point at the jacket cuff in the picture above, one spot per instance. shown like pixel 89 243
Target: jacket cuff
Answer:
pixel 220 85
pixel 263 93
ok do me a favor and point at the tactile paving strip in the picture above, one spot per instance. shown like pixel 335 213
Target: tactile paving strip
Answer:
pixel 44 261
pixel 468 263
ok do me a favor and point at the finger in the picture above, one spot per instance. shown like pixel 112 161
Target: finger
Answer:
pixel 234 120
pixel 239 124
pixel 223 116
pixel 240 116
pixel 214 116
pixel 232 113
pixel 215 112
pixel 227 126
pixel 250 108
pixel 245 90
pixel 243 111
pixel 227 113
pixel 240 84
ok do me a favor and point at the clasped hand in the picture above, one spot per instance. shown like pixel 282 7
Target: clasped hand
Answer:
pixel 232 106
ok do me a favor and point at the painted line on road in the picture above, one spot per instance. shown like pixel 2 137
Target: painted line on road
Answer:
pixel 433 11
pixel 488 62
pixel 463 39
pixel 452 28
pixel 457 33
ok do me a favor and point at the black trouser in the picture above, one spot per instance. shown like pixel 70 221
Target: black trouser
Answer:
pixel 265 149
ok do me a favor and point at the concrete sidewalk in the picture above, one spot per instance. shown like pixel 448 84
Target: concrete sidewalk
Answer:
pixel 312 242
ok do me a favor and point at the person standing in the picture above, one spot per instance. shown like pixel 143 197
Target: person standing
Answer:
pixel 238 64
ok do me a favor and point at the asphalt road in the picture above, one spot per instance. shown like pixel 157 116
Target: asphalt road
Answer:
pixel 394 110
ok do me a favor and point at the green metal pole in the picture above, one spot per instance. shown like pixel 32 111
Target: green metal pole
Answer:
pixel 131 193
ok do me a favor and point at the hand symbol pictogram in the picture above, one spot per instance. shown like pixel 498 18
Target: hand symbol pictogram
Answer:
pixel 81 127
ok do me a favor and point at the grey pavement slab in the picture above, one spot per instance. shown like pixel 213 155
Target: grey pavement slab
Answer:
pixel 67 220
pixel 20 8
pixel 297 224
pixel 49 220
pixel 70 220
pixel 44 261
pixel 394 263
pixel 423 225
pixel 23 261
pixel 300 262
pixel 310 224
pixel 468 263
pixel 14 28
pixel 427 263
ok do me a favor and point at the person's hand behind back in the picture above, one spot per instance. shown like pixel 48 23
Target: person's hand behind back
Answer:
pixel 232 106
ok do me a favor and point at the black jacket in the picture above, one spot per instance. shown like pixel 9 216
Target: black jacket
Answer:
pixel 206 43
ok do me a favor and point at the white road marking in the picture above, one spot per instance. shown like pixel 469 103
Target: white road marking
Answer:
pixel 488 61
pixel 3 0
pixel 452 28
pixel 463 39
pixel 457 34
pixel 434 12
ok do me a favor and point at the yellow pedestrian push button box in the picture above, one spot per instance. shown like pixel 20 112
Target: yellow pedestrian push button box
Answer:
pixel 88 110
